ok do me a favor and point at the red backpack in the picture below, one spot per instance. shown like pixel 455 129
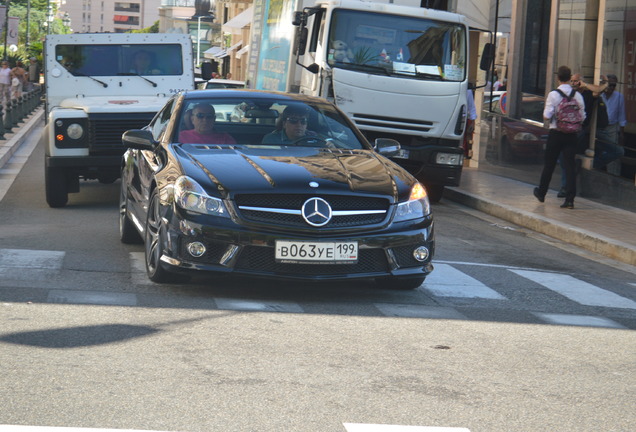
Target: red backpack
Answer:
pixel 569 116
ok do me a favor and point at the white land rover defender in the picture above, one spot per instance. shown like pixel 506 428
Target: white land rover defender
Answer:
pixel 97 87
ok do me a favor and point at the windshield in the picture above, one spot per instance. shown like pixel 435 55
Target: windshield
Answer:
pixel 265 122
pixel 397 45
pixel 112 60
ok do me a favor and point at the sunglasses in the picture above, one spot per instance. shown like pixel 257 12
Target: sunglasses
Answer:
pixel 205 116
pixel 612 85
pixel 294 120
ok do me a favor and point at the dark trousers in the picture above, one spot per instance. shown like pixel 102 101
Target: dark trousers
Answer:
pixel 563 144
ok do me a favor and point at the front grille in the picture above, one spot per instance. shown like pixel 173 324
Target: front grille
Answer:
pixel 295 202
pixel 391 122
pixel 261 259
pixel 105 130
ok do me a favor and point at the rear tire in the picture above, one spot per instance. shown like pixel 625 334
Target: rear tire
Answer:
pixel 128 233
pixel 434 192
pixel 398 283
pixel 56 187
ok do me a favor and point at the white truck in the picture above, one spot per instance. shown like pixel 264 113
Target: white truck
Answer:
pixel 98 85
pixel 397 71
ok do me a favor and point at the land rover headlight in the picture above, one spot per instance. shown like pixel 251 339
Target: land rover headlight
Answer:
pixel 416 207
pixel 190 196
pixel 74 131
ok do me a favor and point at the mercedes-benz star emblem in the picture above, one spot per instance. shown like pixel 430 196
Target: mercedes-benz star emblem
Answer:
pixel 316 211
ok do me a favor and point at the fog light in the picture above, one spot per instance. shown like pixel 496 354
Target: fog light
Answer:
pixel 420 253
pixel 196 249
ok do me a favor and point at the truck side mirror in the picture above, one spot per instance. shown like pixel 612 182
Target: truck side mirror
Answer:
pixel 300 19
pixel 301 40
pixel 206 70
pixel 487 57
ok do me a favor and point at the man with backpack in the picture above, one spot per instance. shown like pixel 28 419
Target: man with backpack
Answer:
pixel 565 110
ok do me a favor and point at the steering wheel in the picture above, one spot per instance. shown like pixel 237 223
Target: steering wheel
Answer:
pixel 310 140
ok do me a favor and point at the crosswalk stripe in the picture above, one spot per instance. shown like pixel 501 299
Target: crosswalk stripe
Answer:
pixel 577 290
pixel 418 311
pixel 578 320
pixel 32 259
pixel 258 305
pixel 16 428
pixel 447 281
pixel 360 427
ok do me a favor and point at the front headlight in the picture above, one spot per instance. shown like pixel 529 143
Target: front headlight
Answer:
pixel 416 207
pixel 526 136
pixel 190 196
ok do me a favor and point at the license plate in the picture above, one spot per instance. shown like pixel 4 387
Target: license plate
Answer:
pixel 316 252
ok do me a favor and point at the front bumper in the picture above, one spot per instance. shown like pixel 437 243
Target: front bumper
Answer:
pixel 234 249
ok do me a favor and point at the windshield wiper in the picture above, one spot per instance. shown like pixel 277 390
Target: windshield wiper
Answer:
pixel 372 67
pixel 154 84
pixel 429 75
pixel 78 73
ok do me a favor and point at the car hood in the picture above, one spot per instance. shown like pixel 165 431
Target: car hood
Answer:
pixel 240 169
pixel 100 104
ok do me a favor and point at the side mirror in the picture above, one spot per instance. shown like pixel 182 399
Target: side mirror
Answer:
pixel 301 40
pixel 139 139
pixel 487 57
pixel 386 146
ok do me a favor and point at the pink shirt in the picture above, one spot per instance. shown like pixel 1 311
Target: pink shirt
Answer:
pixel 194 137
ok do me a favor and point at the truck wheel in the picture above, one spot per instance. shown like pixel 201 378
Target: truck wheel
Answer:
pixel 154 242
pixel 127 231
pixel 56 187
pixel 434 192
pixel 400 283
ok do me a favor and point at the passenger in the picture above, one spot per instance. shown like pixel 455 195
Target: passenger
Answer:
pixel 142 64
pixel 203 119
pixel 291 126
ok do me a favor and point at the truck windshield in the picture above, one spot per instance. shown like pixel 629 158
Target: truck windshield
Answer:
pixel 383 44
pixel 112 60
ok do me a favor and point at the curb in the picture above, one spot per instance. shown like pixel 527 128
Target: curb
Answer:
pixel 13 143
pixel 599 244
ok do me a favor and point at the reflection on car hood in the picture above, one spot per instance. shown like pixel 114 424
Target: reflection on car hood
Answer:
pixel 241 169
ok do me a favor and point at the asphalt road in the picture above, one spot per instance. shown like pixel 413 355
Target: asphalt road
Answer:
pixel 510 332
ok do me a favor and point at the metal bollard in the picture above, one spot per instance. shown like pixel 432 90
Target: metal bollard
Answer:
pixel 1 123
pixel 15 107
pixel 8 119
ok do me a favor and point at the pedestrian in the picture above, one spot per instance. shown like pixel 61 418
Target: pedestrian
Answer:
pixel 34 72
pixel 18 79
pixel 562 137
pixel 613 135
pixel 593 103
pixel 5 83
pixel 470 123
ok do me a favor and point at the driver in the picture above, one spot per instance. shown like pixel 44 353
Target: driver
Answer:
pixel 291 126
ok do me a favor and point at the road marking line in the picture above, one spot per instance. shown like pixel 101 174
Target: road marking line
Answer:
pixel 418 311
pixel 91 297
pixel 34 259
pixel 257 305
pixel 16 428
pixel 360 427
pixel 578 290
pixel 447 281
pixel 578 320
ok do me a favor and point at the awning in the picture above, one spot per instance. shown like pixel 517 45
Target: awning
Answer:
pixel 235 46
pixel 242 51
pixel 239 21
pixel 214 53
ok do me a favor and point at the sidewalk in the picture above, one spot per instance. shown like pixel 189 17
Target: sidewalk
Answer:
pixel 608 231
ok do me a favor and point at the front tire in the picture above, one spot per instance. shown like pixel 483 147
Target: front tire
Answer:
pixel 154 242
pixel 398 283
pixel 56 187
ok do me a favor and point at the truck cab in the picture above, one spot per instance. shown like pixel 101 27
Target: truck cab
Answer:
pixel 97 87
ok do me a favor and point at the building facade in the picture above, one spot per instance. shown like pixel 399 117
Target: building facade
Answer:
pixel 114 16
